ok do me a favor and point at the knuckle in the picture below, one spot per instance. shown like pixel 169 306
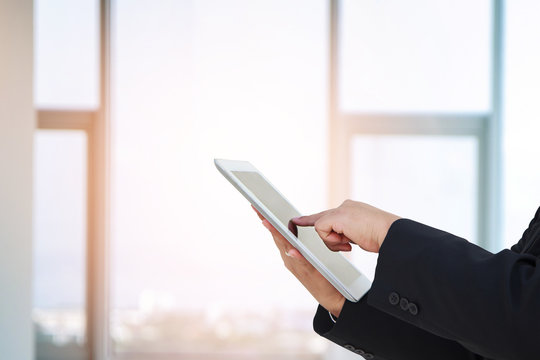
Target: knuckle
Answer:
pixel 341 213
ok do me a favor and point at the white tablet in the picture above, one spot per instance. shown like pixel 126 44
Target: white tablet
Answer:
pixel 346 278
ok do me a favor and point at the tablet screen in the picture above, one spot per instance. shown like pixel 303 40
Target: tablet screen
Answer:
pixel 284 211
pixel 267 195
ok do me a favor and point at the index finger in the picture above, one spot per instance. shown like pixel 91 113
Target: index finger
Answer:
pixel 308 220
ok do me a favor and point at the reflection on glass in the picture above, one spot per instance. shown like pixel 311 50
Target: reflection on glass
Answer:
pixel 414 56
pixel 59 244
pixel 193 270
pixel 66 54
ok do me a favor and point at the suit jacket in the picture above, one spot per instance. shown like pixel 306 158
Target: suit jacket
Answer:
pixel 437 296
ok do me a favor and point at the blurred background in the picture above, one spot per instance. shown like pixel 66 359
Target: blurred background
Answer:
pixel 133 246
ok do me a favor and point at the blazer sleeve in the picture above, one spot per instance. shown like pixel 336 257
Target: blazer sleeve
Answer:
pixel 531 231
pixel 376 335
pixel 435 281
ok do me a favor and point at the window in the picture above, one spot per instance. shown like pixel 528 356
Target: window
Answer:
pixel 410 172
pixel 193 271
pixel 60 244
pixel 69 171
pixel 414 92
pixel 66 52
pixel 417 56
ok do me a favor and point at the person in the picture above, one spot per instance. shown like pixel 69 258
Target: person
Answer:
pixel 434 295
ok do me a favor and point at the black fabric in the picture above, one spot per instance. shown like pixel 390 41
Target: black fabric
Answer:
pixel 364 328
pixel 435 293
pixel 529 242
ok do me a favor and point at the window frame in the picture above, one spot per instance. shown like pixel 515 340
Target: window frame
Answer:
pixel 485 127
pixel 96 125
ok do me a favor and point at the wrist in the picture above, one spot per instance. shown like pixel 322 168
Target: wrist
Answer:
pixel 335 310
pixel 389 220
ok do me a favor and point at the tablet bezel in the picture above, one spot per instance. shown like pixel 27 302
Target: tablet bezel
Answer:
pixel 353 292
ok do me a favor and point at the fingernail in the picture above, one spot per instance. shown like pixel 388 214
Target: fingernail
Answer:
pixel 266 224
pixel 287 253
pixel 296 218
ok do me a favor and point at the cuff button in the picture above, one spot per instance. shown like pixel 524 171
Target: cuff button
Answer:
pixel 393 298
pixel 359 352
pixel 413 309
pixel 404 304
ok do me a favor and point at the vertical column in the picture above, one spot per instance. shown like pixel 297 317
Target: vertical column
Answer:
pixel 492 204
pixel 17 122
pixel 339 139
pixel 98 203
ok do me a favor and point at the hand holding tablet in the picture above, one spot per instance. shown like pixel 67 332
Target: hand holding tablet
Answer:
pixel 320 288
pixel 339 272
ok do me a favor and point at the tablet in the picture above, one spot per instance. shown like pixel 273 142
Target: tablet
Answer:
pixel 337 269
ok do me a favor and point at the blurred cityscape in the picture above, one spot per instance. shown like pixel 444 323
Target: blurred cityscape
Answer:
pixel 155 329
pixel 60 334
pixel 272 332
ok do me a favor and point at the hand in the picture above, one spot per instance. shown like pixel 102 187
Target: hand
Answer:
pixel 351 222
pixel 313 281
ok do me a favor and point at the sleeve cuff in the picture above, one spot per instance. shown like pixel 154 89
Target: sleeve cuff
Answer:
pixel 340 331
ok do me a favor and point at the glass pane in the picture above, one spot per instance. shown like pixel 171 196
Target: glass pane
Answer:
pixel 414 56
pixel 66 54
pixel 60 244
pixel 430 179
pixel 193 271
pixel 521 125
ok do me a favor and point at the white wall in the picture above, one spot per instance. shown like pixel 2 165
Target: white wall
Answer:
pixel 16 135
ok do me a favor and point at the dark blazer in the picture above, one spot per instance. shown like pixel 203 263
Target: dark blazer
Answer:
pixel 437 296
